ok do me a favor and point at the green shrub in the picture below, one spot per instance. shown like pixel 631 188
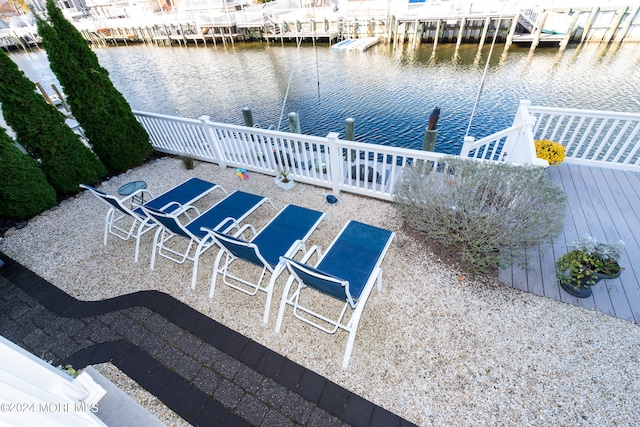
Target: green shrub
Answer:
pixel 76 44
pixel 115 135
pixel 489 211
pixel 42 130
pixel 24 190
pixel 187 162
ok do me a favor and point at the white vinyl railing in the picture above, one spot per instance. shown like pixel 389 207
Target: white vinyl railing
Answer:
pixel 514 144
pixel 503 146
pixel 35 393
pixel 367 169
pixel 594 138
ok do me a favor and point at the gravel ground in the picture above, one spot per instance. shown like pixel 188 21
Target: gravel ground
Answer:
pixel 433 347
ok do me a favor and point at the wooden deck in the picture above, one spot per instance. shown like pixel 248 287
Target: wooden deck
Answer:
pixel 604 203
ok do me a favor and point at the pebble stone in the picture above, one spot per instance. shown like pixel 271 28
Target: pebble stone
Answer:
pixel 432 348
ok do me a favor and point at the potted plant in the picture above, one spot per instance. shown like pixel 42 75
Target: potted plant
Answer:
pixel 321 167
pixel 283 180
pixel 588 262
pixel 550 151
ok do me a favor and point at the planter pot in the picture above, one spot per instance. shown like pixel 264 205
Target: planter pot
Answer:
pixel 611 276
pixel 582 291
pixel 580 288
pixel 321 167
pixel 284 185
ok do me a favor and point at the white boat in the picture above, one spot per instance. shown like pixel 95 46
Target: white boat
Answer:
pixel 357 44
pixel 557 23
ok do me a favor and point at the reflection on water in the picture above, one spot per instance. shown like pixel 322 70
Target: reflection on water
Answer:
pixel 389 92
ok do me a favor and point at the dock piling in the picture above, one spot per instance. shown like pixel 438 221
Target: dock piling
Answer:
pixel 429 141
pixel 350 129
pixel 294 127
pixel 512 31
pixel 294 122
pixel 350 135
pixel 61 96
pixel 416 34
pixel 567 37
pixel 247 114
pixel 589 23
pixel 431 132
pixel 460 34
pixel 615 23
pixel 539 26
pixel 44 93
pixel 483 36
pixel 436 36
pixel 625 29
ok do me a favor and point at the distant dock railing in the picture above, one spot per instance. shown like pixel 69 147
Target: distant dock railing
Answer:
pixel 594 138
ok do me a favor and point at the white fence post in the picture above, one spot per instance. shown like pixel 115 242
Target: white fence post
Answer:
pixel 521 147
pixel 336 161
pixel 516 147
pixel 523 109
pixel 213 140
pixel 466 146
pixel 531 146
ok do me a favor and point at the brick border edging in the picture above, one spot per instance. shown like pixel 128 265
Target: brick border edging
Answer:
pixel 318 390
pixel 193 405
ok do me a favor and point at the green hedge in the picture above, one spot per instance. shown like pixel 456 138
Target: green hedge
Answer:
pixel 115 135
pixel 24 190
pixel 42 130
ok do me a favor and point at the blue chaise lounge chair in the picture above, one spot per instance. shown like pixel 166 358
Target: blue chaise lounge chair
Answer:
pixel 223 216
pixel 122 210
pixel 284 235
pixel 347 272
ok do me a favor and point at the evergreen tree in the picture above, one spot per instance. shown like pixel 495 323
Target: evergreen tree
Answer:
pixel 71 37
pixel 106 117
pixel 24 190
pixel 41 129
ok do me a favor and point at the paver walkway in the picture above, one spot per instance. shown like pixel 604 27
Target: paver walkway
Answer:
pixel 205 372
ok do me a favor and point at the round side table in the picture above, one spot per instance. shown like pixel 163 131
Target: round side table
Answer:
pixel 130 188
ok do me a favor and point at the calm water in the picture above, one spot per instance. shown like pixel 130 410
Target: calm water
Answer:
pixel 389 92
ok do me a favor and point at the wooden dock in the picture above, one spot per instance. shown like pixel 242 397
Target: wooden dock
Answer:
pixel 418 24
pixel 604 203
pixel 329 36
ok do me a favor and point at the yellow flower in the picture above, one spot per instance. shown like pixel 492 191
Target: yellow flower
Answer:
pixel 550 151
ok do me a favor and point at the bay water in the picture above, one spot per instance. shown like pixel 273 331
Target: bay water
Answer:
pixel 389 91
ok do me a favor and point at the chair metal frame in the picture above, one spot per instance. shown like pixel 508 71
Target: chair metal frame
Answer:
pixel 170 226
pixel 119 211
pixel 313 277
pixel 234 248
